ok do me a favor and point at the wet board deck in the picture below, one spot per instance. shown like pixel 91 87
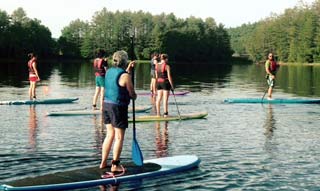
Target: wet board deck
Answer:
pixel 138 109
pixel 149 118
pixel 39 101
pixel 178 93
pixel 273 101
pixel 89 177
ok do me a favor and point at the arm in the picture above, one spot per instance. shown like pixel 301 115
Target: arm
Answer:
pixel 34 65
pixel 125 81
pixel 169 76
pixel 130 66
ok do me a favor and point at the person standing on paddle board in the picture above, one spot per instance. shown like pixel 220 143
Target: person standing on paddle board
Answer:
pixel 33 75
pixel 154 60
pixel 164 84
pixel 100 66
pixel 119 91
pixel 271 67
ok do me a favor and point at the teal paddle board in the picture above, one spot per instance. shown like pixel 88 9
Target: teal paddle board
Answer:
pixel 138 109
pixel 39 101
pixel 273 101
pixel 150 118
pixel 92 176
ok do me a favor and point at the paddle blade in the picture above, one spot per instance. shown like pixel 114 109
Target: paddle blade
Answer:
pixel 136 153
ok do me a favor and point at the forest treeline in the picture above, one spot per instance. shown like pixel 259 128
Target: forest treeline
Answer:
pixel 293 36
pixel 190 39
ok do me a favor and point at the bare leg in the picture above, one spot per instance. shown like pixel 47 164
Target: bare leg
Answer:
pixel 107 143
pixel 101 98
pixel 95 97
pixel 117 148
pixel 159 98
pixel 165 101
pixel 153 86
pixel 270 92
pixel 32 90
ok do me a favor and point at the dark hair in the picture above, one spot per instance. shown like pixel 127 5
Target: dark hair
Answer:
pixel 164 56
pixel 101 53
pixel 31 55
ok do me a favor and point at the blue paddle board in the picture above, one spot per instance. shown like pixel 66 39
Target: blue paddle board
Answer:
pixel 39 101
pixel 273 101
pixel 90 177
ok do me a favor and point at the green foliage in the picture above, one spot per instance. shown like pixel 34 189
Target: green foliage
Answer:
pixel 293 36
pixel 185 40
pixel 20 35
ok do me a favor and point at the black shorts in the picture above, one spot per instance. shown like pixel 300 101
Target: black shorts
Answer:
pixel 153 74
pixel 164 85
pixel 116 115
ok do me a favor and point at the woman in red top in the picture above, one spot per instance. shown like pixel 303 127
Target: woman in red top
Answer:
pixel 33 75
pixel 164 84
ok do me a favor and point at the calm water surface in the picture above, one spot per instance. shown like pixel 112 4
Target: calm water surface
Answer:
pixel 242 147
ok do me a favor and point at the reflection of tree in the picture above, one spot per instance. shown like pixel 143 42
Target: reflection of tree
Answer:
pixel 162 140
pixel 32 127
pixel 270 122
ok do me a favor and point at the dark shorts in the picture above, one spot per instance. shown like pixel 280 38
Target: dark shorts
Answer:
pixel 164 85
pixel 100 81
pixel 153 74
pixel 116 115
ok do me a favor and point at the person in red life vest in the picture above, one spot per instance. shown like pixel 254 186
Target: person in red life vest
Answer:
pixel 33 75
pixel 120 90
pixel 100 67
pixel 164 84
pixel 271 67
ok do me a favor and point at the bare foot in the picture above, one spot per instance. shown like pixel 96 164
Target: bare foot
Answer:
pixel 103 165
pixel 117 168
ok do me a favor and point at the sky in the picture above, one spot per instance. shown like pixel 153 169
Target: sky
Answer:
pixel 57 14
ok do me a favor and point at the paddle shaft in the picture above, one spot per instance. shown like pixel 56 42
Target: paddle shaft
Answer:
pixel 133 108
pixel 174 96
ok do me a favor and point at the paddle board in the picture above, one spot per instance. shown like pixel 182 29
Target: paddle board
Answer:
pixel 179 93
pixel 39 101
pixel 149 118
pixel 138 109
pixel 273 101
pixel 90 177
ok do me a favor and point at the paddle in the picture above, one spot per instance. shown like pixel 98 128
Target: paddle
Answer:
pixel 174 96
pixel 136 151
pixel 264 94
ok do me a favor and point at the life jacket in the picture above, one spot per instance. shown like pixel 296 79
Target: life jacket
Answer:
pixel 162 72
pixel 30 66
pixel 114 93
pixel 98 67
pixel 272 66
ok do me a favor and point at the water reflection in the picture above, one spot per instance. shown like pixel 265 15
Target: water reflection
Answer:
pixel 270 123
pixel 100 133
pixel 33 125
pixel 109 187
pixel 162 139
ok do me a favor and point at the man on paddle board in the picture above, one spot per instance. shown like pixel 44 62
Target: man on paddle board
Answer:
pixel 271 67
pixel 119 91
pixel 33 75
pixel 100 67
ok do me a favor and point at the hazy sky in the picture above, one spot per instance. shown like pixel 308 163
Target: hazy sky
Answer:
pixel 57 14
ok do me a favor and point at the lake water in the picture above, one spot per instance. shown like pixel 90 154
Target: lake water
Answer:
pixel 241 146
